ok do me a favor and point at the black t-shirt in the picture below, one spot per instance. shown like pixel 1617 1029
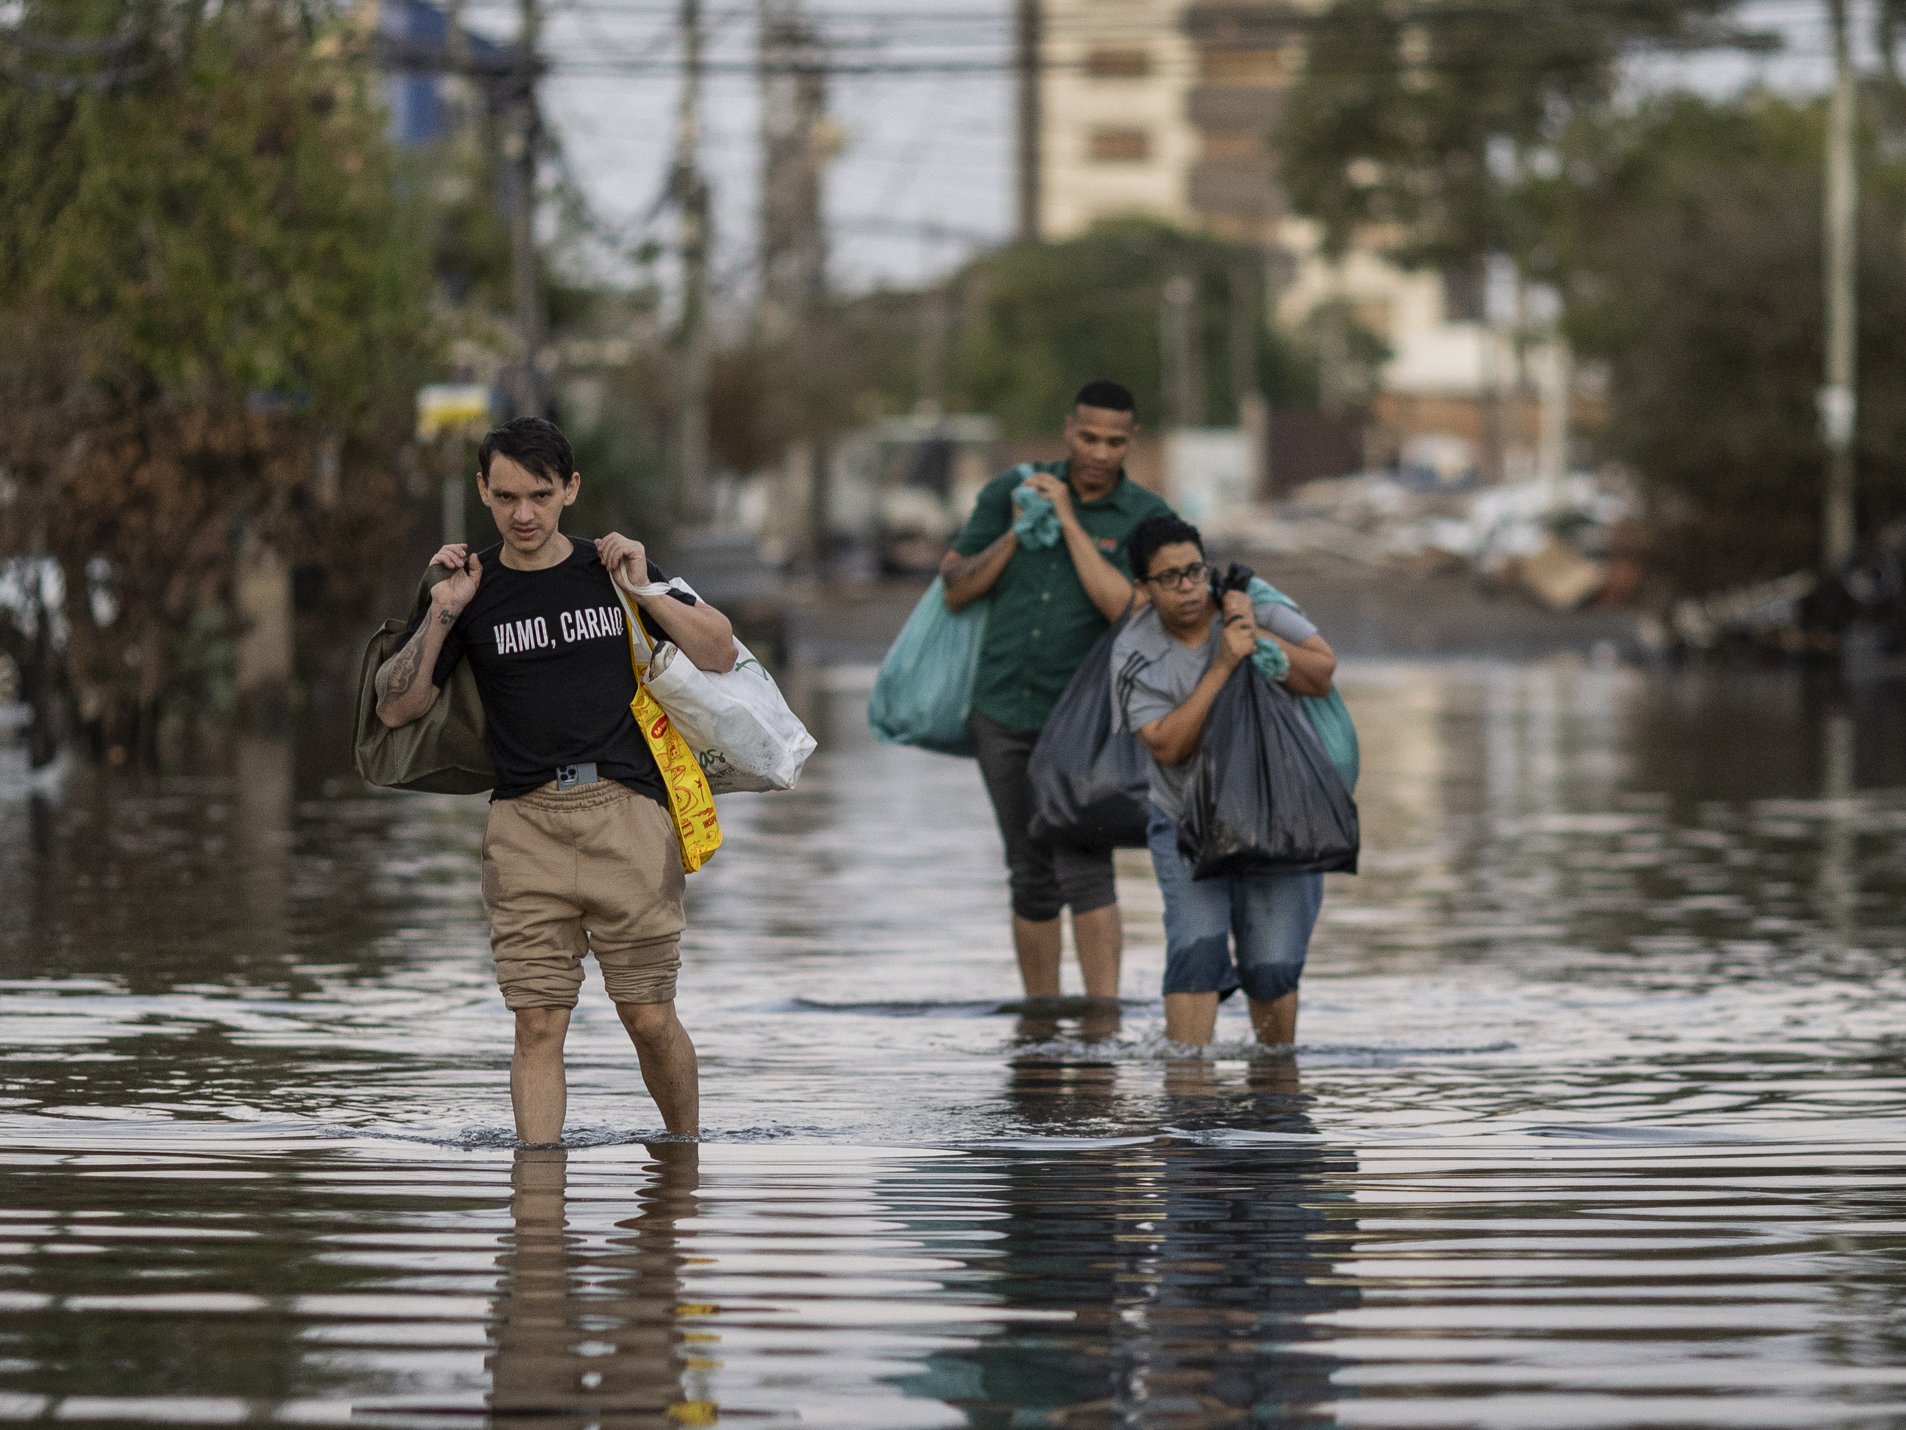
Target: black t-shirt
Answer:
pixel 551 657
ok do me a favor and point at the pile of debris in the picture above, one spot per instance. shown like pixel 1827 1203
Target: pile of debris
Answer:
pixel 1562 544
pixel 1856 615
pixel 1769 614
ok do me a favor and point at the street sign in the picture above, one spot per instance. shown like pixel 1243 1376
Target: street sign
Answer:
pixel 452 409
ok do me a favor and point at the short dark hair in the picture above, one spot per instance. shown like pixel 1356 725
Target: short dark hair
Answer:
pixel 1112 396
pixel 1155 533
pixel 535 444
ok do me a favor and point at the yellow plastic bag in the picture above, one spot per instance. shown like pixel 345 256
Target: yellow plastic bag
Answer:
pixel 689 798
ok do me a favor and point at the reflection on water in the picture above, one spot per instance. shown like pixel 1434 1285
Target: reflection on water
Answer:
pixel 1598 1121
pixel 591 1322
pixel 1177 1279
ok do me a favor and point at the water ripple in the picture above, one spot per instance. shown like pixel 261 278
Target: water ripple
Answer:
pixel 1599 1118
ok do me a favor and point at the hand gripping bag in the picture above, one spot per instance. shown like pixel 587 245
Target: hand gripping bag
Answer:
pixel 744 736
pixel 447 751
pixel 1264 796
pixel 1328 715
pixel 924 692
pixel 1088 776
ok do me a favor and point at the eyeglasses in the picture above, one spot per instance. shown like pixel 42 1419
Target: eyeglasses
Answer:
pixel 1184 576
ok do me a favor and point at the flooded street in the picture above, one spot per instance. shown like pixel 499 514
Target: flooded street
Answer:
pixel 1599 1117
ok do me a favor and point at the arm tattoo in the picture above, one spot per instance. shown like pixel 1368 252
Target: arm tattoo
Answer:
pixel 400 673
pixel 965 566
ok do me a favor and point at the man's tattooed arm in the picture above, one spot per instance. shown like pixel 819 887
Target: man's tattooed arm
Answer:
pixel 968 578
pixel 404 690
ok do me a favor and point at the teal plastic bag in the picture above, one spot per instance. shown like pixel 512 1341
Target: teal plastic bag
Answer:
pixel 1329 717
pixel 1270 660
pixel 1038 522
pixel 924 691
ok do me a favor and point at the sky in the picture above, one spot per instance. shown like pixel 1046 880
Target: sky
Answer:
pixel 924 97
pixel 920 147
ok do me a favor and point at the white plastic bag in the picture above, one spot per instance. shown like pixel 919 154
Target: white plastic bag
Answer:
pixel 744 736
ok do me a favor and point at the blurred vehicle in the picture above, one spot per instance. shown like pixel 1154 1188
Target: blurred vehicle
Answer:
pixel 901 487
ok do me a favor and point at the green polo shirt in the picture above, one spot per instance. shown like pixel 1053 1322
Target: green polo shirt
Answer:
pixel 1042 622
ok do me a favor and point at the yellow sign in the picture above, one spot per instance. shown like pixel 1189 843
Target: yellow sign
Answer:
pixel 452 407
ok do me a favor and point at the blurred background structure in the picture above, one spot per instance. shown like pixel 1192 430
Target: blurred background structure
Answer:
pixel 1539 307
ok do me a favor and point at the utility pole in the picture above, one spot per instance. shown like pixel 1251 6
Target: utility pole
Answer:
pixel 936 323
pixel 1254 415
pixel 457 43
pixel 462 117
pixel 1178 339
pixel 795 146
pixel 797 142
pixel 1555 378
pixel 691 193
pixel 1026 30
pixel 520 143
pixel 1839 407
pixel 1553 367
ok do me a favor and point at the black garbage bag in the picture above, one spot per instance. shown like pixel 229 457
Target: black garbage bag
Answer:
pixel 1263 796
pixel 1089 778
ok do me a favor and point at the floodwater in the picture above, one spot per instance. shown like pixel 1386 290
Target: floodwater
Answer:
pixel 1599 1117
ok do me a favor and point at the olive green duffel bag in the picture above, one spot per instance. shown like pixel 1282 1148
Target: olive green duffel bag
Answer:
pixel 445 752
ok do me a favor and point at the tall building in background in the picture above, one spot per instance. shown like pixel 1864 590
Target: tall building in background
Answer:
pixel 1114 139
pixel 1169 110
pixel 436 76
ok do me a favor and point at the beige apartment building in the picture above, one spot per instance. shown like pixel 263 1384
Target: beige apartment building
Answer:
pixel 1167 109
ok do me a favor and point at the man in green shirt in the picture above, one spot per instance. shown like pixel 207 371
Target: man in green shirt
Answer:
pixel 1049 606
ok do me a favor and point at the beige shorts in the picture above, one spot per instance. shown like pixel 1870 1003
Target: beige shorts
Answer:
pixel 590 870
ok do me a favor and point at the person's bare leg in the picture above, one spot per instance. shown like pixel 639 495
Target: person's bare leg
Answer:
pixel 1036 1028
pixel 1194 1079
pixel 1099 938
pixel 1191 1018
pixel 1276 1075
pixel 669 1069
pixel 538 1092
pixel 1099 1021
pixel 1037 944
pixel 1275 1022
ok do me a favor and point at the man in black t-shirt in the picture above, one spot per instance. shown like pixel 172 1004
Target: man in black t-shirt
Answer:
pixel 580 853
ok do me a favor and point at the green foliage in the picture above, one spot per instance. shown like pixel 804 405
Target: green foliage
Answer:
pixel 209 279
pixel 225 225
pixel 1695 261
pixel 1039 320
pixel 448 191
pixel 1426 118
pixel 624 466
pixel 1684 236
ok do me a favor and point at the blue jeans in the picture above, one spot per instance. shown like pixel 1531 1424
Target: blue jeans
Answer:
pixel 1268 916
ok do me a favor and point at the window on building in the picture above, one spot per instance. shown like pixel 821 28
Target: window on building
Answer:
pixel 1240 66
pixel 1233 144
pixel 1373 315
pixel 1464 294
pixel 1118 64
pixel 1120 146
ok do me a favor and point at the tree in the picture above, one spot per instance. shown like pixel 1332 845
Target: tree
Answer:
pixel 1694 257
pixel 1423 120
pixel 212 315
pixel 1037 320
pixel 1684 237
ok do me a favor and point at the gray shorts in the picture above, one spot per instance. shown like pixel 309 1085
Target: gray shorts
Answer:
pixel 1045 878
